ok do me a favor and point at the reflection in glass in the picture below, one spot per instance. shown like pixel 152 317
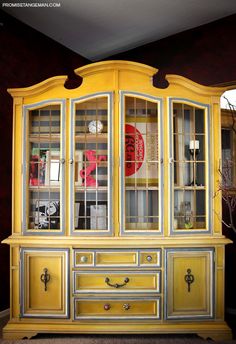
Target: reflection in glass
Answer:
pixel 189 167
pixel 91 210
pixel 141 159
pixel 91 165
pixel 44 168
pixel 189 209
pixel 142 209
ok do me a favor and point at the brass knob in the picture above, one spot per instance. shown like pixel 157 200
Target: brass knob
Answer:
pixel 149 258
pixel 84 259
pixel 126 306
pixel 107 307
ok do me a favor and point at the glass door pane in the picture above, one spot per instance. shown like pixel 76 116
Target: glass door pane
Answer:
pixel 189 167
pixel 92 166
pixel 140 188
pixel 43 170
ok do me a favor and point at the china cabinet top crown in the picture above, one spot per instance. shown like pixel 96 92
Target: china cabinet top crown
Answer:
pixel 140 72
pixel 116 156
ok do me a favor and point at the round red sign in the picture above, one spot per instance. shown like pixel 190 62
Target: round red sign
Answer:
pixel 134 150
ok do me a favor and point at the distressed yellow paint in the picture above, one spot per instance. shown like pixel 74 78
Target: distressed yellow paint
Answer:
pixel 137 282
pixel 197 299
pixel 37 300
pixel 114 258
pixel 86 308
pixel 116 76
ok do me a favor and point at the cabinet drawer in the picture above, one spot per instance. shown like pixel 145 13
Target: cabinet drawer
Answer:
pixel 107 282
pixel 117 258
pixel 117 308
pixel 114 258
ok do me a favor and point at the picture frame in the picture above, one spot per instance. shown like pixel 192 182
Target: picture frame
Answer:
pixel 77 210
pixel 98 216
pixel 47 214
pixel 53 168
pixel 79 165
pixel 147 172
pixel 37 167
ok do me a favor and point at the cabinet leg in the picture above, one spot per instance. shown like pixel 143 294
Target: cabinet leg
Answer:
pixel 18 335
pixel 10 333
pixel 216 336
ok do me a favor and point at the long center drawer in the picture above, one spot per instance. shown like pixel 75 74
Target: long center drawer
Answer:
pixel 109 281
pixel 111 308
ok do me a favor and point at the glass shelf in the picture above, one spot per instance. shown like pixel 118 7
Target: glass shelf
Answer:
pixel 42 188
pixel 91 188
pixel 91 137
pixel 44 138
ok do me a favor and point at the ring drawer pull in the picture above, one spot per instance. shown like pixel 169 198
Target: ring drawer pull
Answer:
pixel 189 279
pixel 107 307
pixel 126 306
pixel 116 285
pixel 45 278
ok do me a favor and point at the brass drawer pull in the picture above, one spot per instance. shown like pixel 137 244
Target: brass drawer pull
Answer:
pixel 116 285
pixel 107 307
pixel 126 306
pixel 149 258
pixel 189 279
pixel 84 259
pixel 45 278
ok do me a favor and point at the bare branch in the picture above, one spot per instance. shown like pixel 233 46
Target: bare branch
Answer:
pixel 227 189
pixel 232 109
pixel 221 220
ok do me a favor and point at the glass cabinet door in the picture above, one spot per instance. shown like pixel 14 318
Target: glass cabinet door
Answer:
pixel 43 169
pixel 190 170
pixel 91 165
pixel 141 168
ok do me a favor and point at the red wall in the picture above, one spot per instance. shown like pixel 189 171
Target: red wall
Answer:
pixel 205 54
pixel 26 57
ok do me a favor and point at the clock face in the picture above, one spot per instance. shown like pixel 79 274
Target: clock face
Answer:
pixel 95 127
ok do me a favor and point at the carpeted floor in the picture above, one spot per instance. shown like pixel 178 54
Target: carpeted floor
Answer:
pixel 109 339
pixel 115 339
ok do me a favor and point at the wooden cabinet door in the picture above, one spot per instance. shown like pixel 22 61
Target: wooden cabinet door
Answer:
pixel 44 283
pixel 189 283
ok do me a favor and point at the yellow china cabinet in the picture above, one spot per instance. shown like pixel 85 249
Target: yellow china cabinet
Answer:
pixel 115 225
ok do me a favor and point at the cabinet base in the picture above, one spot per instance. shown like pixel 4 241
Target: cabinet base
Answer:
pixel 213 330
